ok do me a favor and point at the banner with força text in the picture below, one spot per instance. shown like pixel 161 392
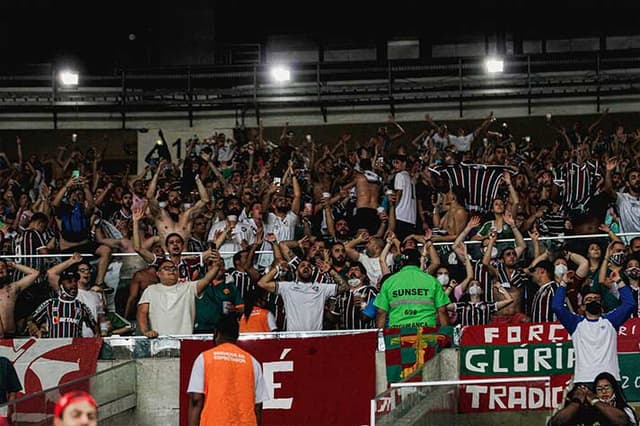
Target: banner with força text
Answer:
pixel 48 363
pixel 312 380
pixel 532 350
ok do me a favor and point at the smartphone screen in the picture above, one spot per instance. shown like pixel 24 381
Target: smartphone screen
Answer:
pixel 75 174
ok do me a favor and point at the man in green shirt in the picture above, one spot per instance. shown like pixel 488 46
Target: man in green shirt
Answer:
pixel 219 298
pixel 411 297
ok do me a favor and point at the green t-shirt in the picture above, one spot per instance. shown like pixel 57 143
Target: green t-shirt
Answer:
pixel 9 381
pixel 504 233
pixel 411 298
pixel 209 306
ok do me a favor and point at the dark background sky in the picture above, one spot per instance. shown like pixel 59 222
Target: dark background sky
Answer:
pixel 96 34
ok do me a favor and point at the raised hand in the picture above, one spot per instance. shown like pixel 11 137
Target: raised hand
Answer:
pixel 506 176
pixel 508 218
pixel 76 257
pixel 460 249
pixel 137 213
pixel 611 164
pixel 604 228
pixel 534 234
pixel 473 222
pixel 323 266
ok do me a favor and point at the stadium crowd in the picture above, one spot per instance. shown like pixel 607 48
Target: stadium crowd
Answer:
pixel 299 235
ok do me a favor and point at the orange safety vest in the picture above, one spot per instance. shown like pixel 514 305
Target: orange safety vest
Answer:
pixel 229 387
pixel 257 322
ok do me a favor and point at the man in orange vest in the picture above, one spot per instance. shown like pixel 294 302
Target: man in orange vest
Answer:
pixel 226 385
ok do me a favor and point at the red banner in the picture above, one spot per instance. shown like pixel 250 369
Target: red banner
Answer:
pixel 46 363
pixel 312 381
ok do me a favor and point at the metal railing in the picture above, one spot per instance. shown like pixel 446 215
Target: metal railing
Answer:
pixel 326 84
pixel 114 390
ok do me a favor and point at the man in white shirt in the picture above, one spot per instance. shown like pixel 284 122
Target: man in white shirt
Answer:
pixel 238 234
pixel 406 207
pixel 169 307
pixel 595 334
pixel 304 299
pixel 628 203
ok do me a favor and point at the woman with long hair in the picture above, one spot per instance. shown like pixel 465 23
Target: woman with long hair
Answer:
pixel 604 404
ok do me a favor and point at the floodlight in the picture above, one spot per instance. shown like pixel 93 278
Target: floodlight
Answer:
pixel 494 65
pixel 69 78
pixel 280 74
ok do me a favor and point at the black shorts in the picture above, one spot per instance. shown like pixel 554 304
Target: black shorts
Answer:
pixel 366 218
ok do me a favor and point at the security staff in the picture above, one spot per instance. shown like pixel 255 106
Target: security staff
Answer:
pixel 411 297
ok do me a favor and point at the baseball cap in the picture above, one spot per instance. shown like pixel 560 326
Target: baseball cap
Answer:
pixel 69 275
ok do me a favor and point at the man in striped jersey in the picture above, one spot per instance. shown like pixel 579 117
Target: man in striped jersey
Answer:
pixel 509 275
pixel 354 301
pixel 477 311
pixel 32 241
pixel 543 273
pixel 64 315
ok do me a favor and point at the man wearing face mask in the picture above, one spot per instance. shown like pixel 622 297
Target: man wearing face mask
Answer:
pixel 595 334
pixel 476 311
pixel 480 272
pixel 632 278
pixel 354 301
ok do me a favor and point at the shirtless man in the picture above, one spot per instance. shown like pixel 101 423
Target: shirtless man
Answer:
pixel 456 217
pixel 367 186
pixel 171 220
pixel 510 277
pixel 188 267
pixel 9 292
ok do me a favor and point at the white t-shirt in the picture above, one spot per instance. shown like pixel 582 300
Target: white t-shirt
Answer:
pixel 406 208
pixel 94 303
pixel 304 303
pixel 372 265
pixel 284 229
pixel 439 141
pixel 242 231
pixel 629 208
pixel 462 143
pixel 226 151
pixel 172 309
pixel 196 382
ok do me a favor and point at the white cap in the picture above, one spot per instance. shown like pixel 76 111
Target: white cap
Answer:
pixel 232 218
pixel 326 195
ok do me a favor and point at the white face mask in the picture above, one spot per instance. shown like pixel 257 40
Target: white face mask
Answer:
pixel 443 278
pixel 475 291
pixel 354 282
pixel 560 269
